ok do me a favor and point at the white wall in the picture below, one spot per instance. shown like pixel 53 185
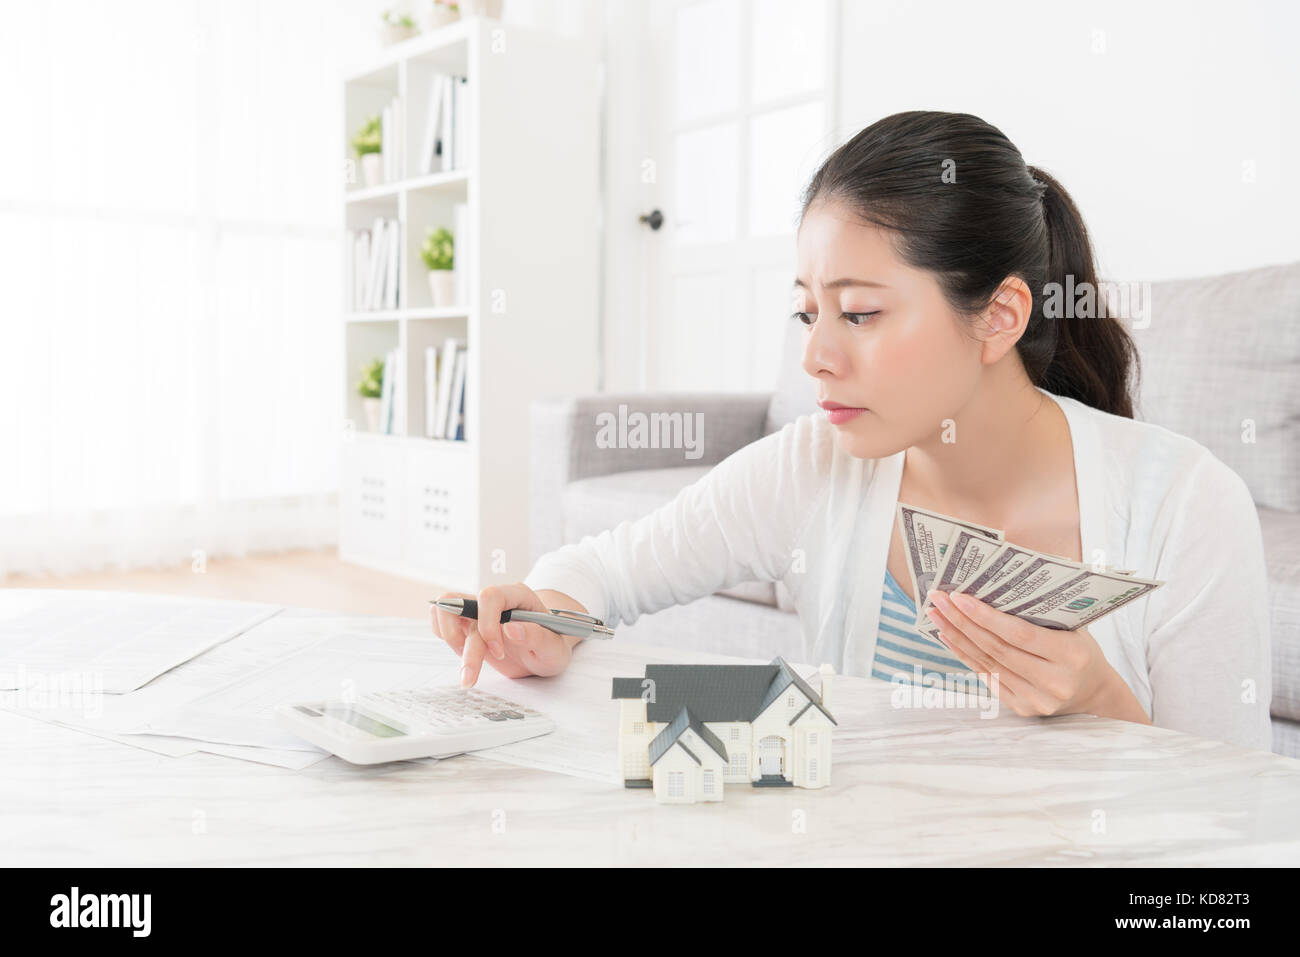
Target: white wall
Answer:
pixel 1149 135
pixel 1172 124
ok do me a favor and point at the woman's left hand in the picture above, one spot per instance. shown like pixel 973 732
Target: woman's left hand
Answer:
pixel 1038 671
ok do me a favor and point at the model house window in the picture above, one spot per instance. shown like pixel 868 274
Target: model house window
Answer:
pixel 735 734
pixel 708 782
pixel 812 770
pixel 676 784
pixel 637 766
pixel 739 762
pixel 638 727
pixel 812 740
pixel 789 702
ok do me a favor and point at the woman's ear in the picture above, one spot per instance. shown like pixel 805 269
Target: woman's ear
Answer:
pixel 1004 321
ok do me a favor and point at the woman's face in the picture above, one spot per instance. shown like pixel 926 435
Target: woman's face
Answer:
pixel 879 338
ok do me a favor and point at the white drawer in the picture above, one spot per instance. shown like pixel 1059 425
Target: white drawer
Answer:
pixel 440 512
pixel 372 499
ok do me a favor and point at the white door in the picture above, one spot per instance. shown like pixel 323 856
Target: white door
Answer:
pixel 745 117
pixel 771 753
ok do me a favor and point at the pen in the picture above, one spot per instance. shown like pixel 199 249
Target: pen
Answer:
pixel 562 621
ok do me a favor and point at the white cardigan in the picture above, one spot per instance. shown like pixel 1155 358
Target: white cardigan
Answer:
pixel 793 507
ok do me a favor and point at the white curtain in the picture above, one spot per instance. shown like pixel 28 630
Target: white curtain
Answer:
pixel 169 283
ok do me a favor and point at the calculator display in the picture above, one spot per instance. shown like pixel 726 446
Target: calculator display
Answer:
pixel 363 722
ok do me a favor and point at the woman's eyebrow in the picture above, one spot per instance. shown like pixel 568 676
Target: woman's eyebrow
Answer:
pixel 846 281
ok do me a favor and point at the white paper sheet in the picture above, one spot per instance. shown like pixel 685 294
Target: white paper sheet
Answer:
pixel 108 642
pixel 584 743
pixel 340 665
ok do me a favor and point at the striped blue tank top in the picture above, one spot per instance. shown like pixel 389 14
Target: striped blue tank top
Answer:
pixel 900 648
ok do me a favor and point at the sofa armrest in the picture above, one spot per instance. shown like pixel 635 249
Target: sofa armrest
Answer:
pixel 585 436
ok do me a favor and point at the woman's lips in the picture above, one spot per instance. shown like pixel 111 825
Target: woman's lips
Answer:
pixel 840 416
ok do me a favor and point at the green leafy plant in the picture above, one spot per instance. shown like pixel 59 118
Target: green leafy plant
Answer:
pixel 439 249
pixel 403 21
pixel 371 385
pixel 370 138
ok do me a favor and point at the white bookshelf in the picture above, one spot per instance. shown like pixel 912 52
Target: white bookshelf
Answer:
pixel 455 513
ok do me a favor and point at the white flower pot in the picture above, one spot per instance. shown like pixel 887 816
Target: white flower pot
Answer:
pixel 370 405
pixel 442 286
pixel 390 34
pixel 437 15
pixel 480 8
pixel 372 166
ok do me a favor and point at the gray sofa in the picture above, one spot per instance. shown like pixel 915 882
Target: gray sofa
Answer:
pixel 1220 362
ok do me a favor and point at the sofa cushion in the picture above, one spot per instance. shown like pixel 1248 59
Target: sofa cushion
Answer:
pixel 592 505
pixel 1281 531
pixel 1221 364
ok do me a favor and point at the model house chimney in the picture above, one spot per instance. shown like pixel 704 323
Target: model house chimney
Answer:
pixel 826 672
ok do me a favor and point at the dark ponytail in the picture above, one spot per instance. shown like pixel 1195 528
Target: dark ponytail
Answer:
pixel 963 205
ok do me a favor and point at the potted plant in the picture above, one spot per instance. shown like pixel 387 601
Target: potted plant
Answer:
pixel 438 13
pixel 439 255
pixel 397 27
pixel 481 8
pixel 369 144
pixel 371 387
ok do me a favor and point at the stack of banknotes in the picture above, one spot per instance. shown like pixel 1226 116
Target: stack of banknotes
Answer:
pixel 950 555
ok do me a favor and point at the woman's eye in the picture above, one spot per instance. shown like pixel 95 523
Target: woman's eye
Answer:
pixel 803 317
pixel 858 318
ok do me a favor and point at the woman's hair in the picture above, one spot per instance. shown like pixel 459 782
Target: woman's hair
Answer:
pixel 963 205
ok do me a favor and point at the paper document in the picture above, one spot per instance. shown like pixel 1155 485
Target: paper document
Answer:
pixel 339 665
pixel 584 743
pixel 111 643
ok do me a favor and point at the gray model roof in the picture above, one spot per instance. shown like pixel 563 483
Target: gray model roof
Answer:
pixel 715 692
pixel 789 677
pixel 627 687
pixel 666 738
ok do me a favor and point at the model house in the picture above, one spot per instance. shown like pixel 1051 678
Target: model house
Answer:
pixel 687 730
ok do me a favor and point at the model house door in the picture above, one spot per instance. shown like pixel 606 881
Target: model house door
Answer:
pixel 744 118
pixel 771 756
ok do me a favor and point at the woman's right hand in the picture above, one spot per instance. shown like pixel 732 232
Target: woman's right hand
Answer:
pixel 517 648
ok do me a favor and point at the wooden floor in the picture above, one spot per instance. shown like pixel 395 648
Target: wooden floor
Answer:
pixel 311 579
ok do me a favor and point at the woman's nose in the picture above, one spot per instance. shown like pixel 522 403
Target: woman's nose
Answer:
pixel 820 353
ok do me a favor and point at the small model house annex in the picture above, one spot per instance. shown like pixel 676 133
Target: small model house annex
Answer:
pixel 685 730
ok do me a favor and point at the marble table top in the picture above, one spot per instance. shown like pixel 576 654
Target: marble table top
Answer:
pixel 910 786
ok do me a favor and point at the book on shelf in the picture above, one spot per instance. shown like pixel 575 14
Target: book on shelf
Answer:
pixel 446 139
pixel 444 384
pixel 390 139
pixel 375 267
pixel 456 416
pixel 392 395
pixel 394 234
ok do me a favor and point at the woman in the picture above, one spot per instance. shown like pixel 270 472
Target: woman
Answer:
pixel 926 252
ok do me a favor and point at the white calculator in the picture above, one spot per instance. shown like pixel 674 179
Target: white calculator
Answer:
pixel 401 725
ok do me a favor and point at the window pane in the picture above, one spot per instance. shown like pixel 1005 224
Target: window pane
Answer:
pixel 706 185
pixel 789 48
pixel 708 58
pixel 784 148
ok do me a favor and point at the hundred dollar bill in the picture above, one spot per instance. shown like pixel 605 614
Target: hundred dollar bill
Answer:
pixel 1081 600
pixel 1005 562
pixel 1039 574
pixel 925 538
pixel 965 557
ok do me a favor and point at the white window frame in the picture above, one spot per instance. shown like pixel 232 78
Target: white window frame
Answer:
pixel 677 784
